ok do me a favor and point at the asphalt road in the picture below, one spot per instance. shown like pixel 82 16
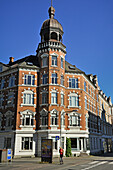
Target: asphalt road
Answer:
pixel 104 162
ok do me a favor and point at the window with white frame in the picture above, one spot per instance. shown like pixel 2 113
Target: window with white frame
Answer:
pixel 61 62
pixel 27 120
pixel 44 117
pixel 54 117
pixel 28 97
pixel 62 80
pixel 86 118
pixel 54 143
pixel 44 61
pixel 29 79
pixel 54 78
pixel 73 83
pixel 27 143
pixel 2 84
pixel 54 60
pixel 74 100
pixel 54 98
pixel 1 100
pixel 74 119
pixel 44 98
pixel 10 100
pixel 11 81
pixel 45 79
pixel 62 99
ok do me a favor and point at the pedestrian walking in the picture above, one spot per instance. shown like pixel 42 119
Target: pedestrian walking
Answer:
pixel 61 155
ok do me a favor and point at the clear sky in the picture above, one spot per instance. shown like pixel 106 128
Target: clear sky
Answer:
pixel 88 33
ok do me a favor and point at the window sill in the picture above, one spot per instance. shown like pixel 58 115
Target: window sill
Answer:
pixel 44 104
pixel 73 127
pixel 54 104
pixel 54 66
pixel 27 126
pixel 44 66
pixel 79 107
pixel 26 151
pixel 32 105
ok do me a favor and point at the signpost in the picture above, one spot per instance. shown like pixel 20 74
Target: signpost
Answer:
pixel 9 154
pixel 46 150
pixel 57 137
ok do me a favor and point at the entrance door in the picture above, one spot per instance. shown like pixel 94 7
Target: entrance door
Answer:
pixel 81 144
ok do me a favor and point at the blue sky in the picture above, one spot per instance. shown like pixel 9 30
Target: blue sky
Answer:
pixel 88 33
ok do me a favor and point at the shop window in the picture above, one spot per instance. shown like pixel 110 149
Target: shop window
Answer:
pixel 27 143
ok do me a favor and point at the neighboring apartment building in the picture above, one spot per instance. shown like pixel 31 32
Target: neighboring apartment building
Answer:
pixel 44 96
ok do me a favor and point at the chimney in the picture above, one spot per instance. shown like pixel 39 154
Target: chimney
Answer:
pixel 11 60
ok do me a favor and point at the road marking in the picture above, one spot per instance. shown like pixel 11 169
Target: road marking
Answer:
pixel 100 163
pixel 111 163
pixel 94 162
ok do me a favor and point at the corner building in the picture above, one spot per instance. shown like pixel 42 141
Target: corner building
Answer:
pixel 44 96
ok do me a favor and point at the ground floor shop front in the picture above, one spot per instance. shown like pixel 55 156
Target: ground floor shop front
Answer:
pixel 28 144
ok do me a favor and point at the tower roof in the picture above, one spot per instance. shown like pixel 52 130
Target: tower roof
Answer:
pixel 51 22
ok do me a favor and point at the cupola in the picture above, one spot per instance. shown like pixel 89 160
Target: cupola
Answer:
pixel 51 29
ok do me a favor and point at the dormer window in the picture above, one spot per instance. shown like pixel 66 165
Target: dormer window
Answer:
pixel 54 60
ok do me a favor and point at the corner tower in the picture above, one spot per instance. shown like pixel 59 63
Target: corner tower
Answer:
pixel 51 56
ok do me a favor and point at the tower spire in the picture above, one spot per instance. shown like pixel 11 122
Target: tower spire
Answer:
pixel 51 3
pixel 51 10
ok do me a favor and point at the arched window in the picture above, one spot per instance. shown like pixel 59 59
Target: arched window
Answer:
pixel 54 35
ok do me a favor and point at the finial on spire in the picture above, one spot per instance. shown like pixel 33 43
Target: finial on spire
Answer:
pixel 51 10
pixel 51 2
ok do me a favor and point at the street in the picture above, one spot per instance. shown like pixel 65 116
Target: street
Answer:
pixel 104 162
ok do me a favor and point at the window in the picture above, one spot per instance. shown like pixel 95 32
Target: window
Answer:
pixel 89 105
pixel 0 68
pixel 12 81
pixel 44 61
pixel 1 100
pixel 62 142
pixel 54 143
pixel 44 98
pixel 54 117
pixel 7 143
pixel 89 89
pixel 10 100
pixel 44 117
pixel 44 120
pixel 54 60
pixel 73 83
pixel 74 120
pixel 2 84
pixel 86 121
pixel 9 121
pixel 74 143
pixel 85 102
pixel 62 99
pixel 28 98
pixel 85 86
pixel 0 120
pixel 27 143
pixel 29 79
pixel 45 79
pixel 74 100
pixel 27 120
pixel 62 80
pixel 54 98
pixel 54 78
pixel 61 62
